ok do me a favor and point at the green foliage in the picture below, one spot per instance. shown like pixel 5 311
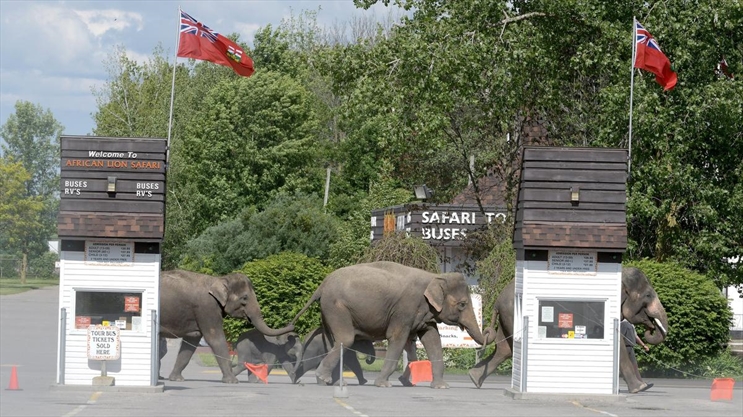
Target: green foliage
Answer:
pixel 283 284
pixel 21 218
pixel 699 319
pixel 29 207
pixel 497 269
pixel 295 223
pixel 400 248
pixel 353 237
pixel 723 365
pixel 42 267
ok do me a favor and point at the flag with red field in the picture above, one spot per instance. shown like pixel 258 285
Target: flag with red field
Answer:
pixel 649 57
pixel 198 41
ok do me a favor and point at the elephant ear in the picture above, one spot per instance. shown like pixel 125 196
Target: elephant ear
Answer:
pixel 435 293
pixel 220 291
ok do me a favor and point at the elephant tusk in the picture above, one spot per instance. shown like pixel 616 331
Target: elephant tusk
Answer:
pixel 660 326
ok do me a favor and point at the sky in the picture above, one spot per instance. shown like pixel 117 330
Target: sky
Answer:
pixel 52 53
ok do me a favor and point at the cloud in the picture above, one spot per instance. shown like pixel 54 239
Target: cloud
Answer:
pixel 247 30
pixel 101 21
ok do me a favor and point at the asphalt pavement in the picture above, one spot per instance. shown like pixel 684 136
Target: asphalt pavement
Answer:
pixel 28 341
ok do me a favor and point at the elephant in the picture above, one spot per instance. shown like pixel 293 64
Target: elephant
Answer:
pixel 639 305
pixel 315 347
pixel 257 348
pixel 193 305
pixel 387 300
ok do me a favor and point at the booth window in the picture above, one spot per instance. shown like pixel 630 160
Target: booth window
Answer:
pixel 121 309
pixel 571 319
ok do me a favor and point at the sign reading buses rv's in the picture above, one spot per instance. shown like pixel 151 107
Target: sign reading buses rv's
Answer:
pixel 122 177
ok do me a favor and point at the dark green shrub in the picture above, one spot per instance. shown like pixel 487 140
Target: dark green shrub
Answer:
pixel 42 267
pixel 283 283
pixel 699 320
pixel 295 223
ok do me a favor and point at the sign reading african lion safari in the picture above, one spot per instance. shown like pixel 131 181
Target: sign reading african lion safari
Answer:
pixel 104 343
pixel 112 187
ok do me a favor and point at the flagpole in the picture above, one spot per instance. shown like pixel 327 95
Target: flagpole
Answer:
pixel 631 91
pixel 172 89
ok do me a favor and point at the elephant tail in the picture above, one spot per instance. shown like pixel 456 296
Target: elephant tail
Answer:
pixel 315 296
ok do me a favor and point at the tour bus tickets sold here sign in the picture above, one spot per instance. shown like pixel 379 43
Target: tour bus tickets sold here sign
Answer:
pixel 104 343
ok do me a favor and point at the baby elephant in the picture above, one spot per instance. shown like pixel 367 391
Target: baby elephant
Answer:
pixel 254 347
pixel 315 348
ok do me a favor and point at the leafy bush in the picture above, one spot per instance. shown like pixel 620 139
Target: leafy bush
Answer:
pixel 42 267
pixel 699 320
pixel 400 248
pixel 283 283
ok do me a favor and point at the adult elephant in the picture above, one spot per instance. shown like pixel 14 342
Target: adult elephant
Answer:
pixel 639 305
pixel 193 306
pixel 315 347
pixel 387 300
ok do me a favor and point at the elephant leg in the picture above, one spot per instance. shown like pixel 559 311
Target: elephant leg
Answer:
pixel 394 351
pixel 629 371
pixel 163 348
pixel 218 342
pixel 488 365
pixel 289 368
pixel 412 357
pixel 432 343
pixel 340 332
pixel 188 347
pixel 351 361
pixel 252 378
pixel 239 366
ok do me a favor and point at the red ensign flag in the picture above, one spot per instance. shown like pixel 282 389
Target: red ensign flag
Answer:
pixel 197 41
pixel 649 57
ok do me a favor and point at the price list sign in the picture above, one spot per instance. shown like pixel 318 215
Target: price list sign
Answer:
pixel 572 262
pixel 115 253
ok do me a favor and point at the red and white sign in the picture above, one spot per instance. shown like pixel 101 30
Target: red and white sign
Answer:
pixel 565 320
pixel 82 322
pixel 131 304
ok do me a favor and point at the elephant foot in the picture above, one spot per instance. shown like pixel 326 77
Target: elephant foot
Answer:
pixel 382 383
pixel 439 385
pixel 323 382
pixel 405 381
pixel 476 377
pixel 229 379
pixel 362 381
pixel 643 387
pixel 177 377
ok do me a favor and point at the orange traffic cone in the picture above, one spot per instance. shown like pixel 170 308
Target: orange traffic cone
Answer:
pixel 261 371
pixel 420 371
pixel 722 389
pixel 13 386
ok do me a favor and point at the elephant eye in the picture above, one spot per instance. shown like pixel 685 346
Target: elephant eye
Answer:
pixel 462 305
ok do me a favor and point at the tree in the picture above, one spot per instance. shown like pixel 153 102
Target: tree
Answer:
pixel 562 66
pixel 20 213
pixel 31 137
pixel 259 136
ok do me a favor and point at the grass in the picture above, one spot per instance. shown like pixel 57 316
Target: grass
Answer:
pixel 14 286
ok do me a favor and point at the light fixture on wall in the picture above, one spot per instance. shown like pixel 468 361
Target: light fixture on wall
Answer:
pixel 111 184
pixel 422 192
pixel 574 195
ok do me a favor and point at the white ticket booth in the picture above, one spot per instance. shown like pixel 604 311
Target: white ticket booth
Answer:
pixel 569 237
pixel 110 226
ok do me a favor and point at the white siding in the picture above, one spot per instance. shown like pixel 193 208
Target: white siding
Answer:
pixel 142 275
pixel 568 365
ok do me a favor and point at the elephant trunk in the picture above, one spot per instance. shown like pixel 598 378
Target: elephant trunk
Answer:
pixel 658 332
pixel 469 322
pixel 256 318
